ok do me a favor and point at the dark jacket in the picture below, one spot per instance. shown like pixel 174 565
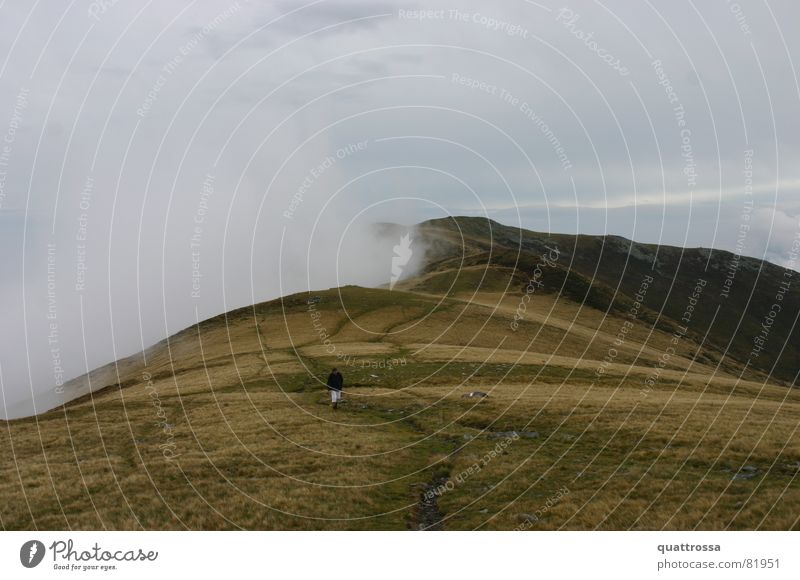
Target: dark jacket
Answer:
pixel 335 381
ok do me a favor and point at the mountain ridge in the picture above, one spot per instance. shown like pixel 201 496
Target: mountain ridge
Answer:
pixel 582 275
pixel 579 362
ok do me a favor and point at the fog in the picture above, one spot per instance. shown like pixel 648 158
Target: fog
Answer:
pixel 160 165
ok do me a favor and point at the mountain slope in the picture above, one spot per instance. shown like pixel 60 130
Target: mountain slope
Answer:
pixel 607 271
pixel 226 424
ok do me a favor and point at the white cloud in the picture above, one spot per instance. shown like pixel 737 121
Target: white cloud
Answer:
pixel 237 100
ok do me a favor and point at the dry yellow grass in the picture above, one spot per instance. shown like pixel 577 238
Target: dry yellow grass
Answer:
pixel 231 427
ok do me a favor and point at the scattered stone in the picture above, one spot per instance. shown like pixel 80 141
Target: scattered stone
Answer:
pixel 501 434
pixel 474 395
pixel 513 434
pixel 374 376
pixel 527 518
pixel 746 472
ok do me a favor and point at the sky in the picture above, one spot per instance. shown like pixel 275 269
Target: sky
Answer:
pixel 164 162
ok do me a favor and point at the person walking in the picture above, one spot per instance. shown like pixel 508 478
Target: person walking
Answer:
pixel 335 384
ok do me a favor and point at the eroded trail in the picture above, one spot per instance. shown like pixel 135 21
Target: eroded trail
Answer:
pixel 429 518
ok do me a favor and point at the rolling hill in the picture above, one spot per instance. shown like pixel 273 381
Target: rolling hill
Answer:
pixel 627 386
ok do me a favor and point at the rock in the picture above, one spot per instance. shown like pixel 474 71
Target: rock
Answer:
pixel 513 434
pixel 374 376
pixel 746 472
pixel 474 395
pixel 501 434
pixel 527 518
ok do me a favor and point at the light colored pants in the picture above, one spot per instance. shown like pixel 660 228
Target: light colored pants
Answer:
pixel 336 396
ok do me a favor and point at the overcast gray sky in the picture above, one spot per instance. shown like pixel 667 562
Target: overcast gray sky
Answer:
pixel 252 143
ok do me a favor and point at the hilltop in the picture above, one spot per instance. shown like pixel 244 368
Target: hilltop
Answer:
pixel 623 392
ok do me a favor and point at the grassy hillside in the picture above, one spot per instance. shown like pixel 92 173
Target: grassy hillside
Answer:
pixel 227 424
pixel 738 296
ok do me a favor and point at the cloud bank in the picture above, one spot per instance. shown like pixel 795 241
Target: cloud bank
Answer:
pixel 163 164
